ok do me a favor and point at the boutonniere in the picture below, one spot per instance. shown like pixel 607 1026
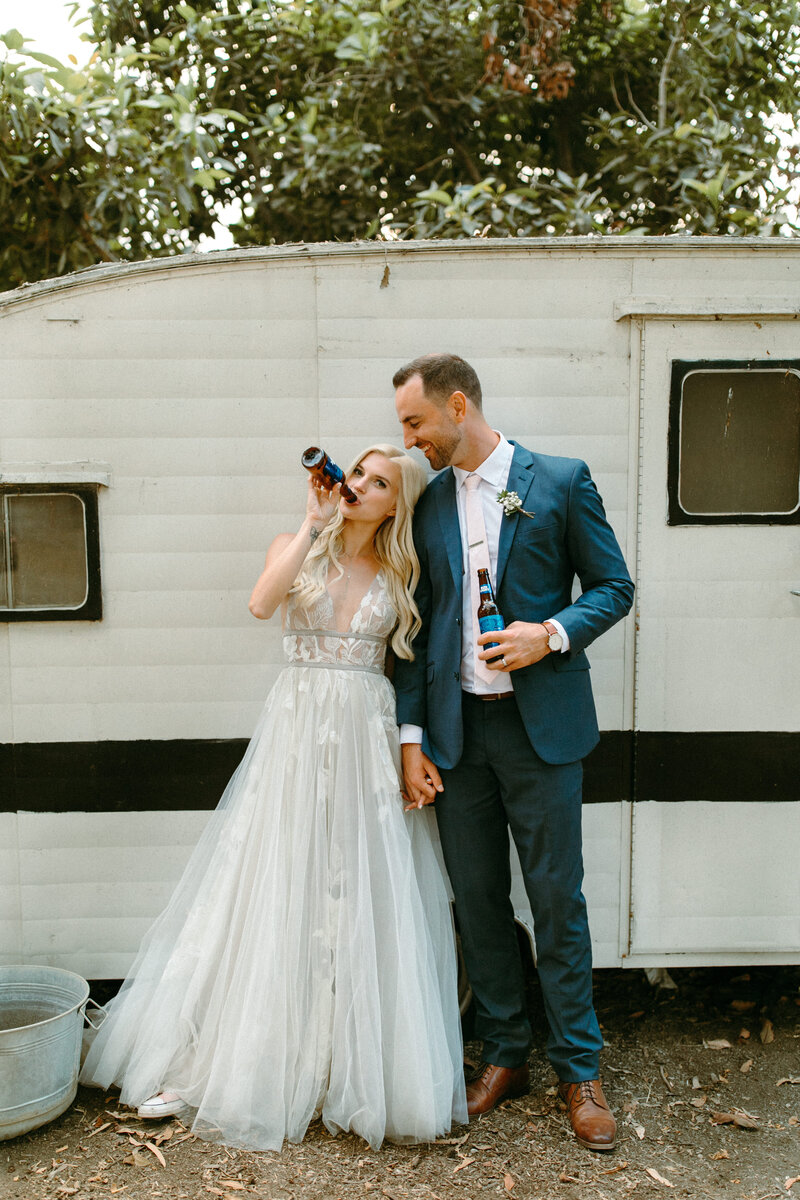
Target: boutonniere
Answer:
pixel 512 504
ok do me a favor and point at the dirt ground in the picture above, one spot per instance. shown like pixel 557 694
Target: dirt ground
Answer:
pixel 704 1080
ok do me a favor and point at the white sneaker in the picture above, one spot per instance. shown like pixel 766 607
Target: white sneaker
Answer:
pixel 165 1104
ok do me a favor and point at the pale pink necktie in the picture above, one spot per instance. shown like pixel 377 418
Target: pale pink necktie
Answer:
pixel 478 556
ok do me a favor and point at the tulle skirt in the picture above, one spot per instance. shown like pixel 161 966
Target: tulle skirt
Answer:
pixel 305 965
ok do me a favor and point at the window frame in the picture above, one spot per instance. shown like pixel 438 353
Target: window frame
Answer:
pixel 680 369
pixel 92 607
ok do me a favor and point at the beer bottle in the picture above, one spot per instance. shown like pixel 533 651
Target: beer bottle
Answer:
pixel 489 618
pixel 326 471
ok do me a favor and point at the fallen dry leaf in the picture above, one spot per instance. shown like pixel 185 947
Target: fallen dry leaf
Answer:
pixel 653 1173
pixel 696 1084
pixel 216 1191
pixel 744 1035
pixel 564 1178
pixel 717 1044
pixel 155 1150
pixel 698 1101
pixel 767 1033
pixel 791 1182
pixel 613 1170
pixel 720 1154
pixel 508 1182
pixel 99 1129
pixel 745 1067
pixel 451 1141
pixel 465 1162
pixel 788 1079
pixel 743 1005
pixel 742 1120
pixel 233 1184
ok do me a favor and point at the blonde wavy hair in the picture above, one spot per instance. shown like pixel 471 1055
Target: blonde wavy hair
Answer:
pixel 394 549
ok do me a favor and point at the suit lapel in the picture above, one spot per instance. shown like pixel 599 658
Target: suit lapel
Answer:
pixel 447 513
pixel 520 480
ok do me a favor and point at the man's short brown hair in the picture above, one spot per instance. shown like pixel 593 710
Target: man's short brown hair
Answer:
pixel 441 375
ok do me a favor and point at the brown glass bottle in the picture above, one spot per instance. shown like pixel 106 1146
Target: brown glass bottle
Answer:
pixel 489 618
pixel 326 471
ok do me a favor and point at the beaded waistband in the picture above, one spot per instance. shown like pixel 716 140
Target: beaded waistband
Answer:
pixel 336 666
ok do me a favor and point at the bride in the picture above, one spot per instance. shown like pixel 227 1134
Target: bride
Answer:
pixel 305 964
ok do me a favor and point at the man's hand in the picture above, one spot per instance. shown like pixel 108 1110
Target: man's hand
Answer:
pixel 421 779
pixel 518 645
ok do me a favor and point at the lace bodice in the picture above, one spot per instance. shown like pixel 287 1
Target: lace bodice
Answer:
pixel 309 637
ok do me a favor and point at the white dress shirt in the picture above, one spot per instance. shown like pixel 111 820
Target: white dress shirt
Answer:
pixel 493 473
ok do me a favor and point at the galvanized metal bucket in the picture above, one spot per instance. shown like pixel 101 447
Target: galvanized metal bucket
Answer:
pixel 41 1024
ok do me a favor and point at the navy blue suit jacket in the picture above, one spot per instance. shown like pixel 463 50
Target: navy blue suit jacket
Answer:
pixel 539 558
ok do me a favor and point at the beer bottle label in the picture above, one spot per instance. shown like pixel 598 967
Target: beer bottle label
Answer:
pixel 492 624
pixel 334 473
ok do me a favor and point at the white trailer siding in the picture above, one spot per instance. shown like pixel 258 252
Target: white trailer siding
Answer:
pixel 197 382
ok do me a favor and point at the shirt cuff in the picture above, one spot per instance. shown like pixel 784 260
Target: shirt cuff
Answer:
pixel 564 637
pixel 410 734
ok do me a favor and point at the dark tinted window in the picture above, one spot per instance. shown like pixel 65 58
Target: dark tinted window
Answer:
pixel 735 442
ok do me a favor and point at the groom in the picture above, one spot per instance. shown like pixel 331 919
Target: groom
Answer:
pixel 496 735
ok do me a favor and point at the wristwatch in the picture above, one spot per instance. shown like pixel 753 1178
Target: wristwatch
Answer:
pixel 555 641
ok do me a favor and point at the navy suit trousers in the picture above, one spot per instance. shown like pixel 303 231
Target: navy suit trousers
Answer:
pixel 500 783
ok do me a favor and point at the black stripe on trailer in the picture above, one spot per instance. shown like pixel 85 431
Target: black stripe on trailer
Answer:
pixel 131 776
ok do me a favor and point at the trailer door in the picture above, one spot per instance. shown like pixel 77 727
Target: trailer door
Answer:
pixel 716 819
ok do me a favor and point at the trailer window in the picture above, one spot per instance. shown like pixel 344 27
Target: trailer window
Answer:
pixel 734 443
pixel 50 563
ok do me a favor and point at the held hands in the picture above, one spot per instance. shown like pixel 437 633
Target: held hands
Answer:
pixel 520 644
pixel 421 779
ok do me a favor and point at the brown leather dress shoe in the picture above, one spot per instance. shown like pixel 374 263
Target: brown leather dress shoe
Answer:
pixel 495 1084
pixel 589 1114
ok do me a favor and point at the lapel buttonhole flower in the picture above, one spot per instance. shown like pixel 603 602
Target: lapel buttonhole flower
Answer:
pixel 512 504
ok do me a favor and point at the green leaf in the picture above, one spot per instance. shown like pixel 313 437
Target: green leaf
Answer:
pixel 435 195
pixel 13 39
pixel 46 59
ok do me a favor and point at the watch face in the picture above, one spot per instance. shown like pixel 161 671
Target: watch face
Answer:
pixel 555 642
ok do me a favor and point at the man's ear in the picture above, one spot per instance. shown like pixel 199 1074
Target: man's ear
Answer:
pixel 457 403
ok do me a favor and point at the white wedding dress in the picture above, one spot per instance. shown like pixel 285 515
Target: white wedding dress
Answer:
pixel 305 965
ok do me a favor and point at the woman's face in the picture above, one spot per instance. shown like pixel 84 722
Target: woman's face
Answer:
pixel 376 483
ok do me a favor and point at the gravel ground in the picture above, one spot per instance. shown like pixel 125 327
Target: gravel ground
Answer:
pixel 704 1080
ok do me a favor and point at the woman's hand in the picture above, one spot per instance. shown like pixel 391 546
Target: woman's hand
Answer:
pixel 321 504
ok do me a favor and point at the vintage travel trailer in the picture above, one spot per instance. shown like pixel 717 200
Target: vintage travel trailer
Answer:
pixel 152 418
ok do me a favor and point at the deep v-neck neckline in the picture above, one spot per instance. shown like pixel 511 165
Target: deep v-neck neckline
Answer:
pixel 360 606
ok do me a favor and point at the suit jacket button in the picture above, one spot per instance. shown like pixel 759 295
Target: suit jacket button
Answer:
pixel 456 676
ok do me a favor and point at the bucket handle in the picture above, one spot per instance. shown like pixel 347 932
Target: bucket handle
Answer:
pixel 99 1008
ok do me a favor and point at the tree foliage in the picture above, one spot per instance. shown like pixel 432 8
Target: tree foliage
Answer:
pixel 308 120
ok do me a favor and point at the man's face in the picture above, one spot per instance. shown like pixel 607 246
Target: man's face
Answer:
pixel 432 428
